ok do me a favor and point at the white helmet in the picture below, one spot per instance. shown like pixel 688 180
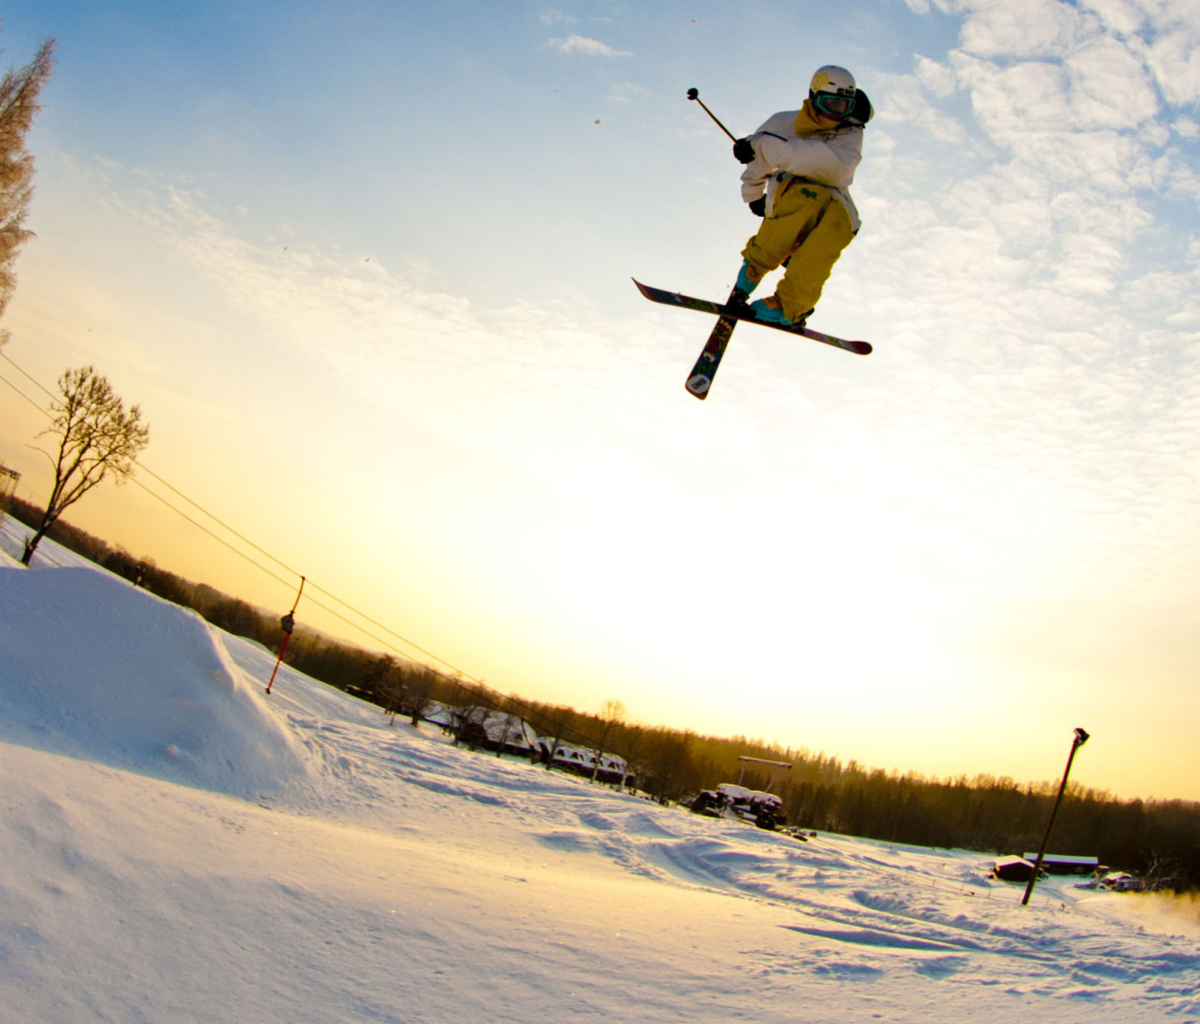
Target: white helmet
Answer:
pixel 832 91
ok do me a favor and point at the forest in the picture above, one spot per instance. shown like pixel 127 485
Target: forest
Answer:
pixel 1157 839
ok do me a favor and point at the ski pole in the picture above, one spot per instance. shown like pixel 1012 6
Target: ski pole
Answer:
pixel 694 94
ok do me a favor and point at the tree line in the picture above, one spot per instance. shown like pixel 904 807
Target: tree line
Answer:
pixel 1159 839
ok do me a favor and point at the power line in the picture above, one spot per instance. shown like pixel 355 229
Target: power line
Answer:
pixel 19 391
pixel 496 697
pixel 241 554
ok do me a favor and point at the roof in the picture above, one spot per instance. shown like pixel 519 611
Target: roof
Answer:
pixel 1059 858
pixel 582 755
pixel 735 792
pixel 1003 862
pixel 510 729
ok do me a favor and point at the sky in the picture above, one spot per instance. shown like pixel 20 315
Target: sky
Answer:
pixel 366 270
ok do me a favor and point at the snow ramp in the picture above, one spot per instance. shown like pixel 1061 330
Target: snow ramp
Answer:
pixel 91 667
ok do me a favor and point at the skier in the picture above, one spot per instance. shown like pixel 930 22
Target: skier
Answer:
pixel 799 165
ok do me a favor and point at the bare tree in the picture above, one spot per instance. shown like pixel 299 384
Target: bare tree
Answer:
pixel 383 679
pixel 469 725
pixel 561 722
pixel 612 713
pixel 421 684
pixel 19 91
pixel 97 438
pixel 509 723
pixel 391 690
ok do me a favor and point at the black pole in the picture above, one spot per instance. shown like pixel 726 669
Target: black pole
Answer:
pixel 1081 737
pixel 694 94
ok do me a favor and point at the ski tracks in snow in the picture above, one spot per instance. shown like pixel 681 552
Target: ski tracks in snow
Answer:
pixel 858 909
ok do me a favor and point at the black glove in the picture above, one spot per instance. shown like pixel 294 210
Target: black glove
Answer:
pixel 743 149
pixel 758 206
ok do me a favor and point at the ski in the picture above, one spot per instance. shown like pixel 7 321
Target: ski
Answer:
pixel 701 377
pixel 702 373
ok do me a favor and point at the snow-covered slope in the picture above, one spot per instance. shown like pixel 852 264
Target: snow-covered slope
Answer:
pixel 175 846
pixel 98 669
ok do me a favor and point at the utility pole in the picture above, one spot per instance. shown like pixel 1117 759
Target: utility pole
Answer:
pixel 1081 737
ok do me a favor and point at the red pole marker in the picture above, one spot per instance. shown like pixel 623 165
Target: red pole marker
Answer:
pixel 288 622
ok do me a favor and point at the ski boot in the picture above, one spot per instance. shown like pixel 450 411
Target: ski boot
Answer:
pixel 747 280
pixel 770 311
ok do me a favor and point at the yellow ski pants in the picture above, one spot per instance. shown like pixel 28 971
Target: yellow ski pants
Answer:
pixel 809 228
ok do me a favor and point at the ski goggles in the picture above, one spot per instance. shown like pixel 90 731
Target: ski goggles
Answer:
pixel 833 105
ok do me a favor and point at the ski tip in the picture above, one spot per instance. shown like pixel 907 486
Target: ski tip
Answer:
pixel 698 386
pixel 859 348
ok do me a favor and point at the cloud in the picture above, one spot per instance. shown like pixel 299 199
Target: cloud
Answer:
pixel 1163 34
pixel 586 46
pixel 388 338
pixel 626 92
pixel 1013 102
pixel 549 16
pixel 1119 16
pixel 937 78
pixel 1077 113
pixel 1110 86
pixel 1018 27
pixel 1037 306
pixel 1186 128
pixel 1047 115
pixel 1174 57
pixel 911 101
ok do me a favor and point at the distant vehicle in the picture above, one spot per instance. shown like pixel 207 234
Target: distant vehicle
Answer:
pixel 731 801
pixel 1121 881
pixel 1114 881
pixel 802 834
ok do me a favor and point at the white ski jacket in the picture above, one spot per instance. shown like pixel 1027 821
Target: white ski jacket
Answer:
pixel 825 158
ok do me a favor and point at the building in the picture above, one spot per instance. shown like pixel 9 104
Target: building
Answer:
pixel 589 763
pixel 1058 864
pixel 1013 869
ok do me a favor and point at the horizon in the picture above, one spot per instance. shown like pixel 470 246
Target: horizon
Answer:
pixel 845 763
pixel 367 274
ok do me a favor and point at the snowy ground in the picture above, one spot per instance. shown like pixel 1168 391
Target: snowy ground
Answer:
pixel 175 846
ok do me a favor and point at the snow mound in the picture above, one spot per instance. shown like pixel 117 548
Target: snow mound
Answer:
pixel 94 668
